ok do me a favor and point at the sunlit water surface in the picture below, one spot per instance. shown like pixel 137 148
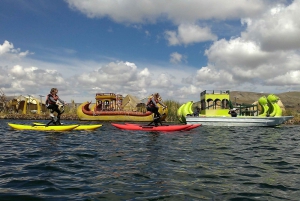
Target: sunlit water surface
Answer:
pixel 109 164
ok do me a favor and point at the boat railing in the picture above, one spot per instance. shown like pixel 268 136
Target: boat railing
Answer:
pixel 248 110
pixel 214 92
pixel 105 94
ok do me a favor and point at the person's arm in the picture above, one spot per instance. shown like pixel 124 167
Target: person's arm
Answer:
pixel 154 102
pixel 51 99
pixel 162 104
pixel 46 101
pixel 62 102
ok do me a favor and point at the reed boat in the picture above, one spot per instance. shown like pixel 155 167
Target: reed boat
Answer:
pixel 115 107
pixel 215 106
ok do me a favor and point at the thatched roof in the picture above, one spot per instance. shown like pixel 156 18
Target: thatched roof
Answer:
pixel 130 103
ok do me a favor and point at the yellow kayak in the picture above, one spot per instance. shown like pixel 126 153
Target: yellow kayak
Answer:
pixel 43 127
pixel 88 127
pixel 81 127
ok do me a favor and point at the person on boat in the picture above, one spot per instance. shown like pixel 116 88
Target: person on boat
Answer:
pixel 53 102
pixel 99 105
pixel 196 112
pixel 152 106
pixel 233 112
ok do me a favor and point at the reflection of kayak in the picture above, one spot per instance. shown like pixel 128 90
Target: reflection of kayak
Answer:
pixel 43 127
pixel 81 127
pixel 152 128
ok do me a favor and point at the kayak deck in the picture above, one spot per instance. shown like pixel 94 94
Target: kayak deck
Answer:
pixel 168 128
pixel 88 127
pixel 43 127
pixel 80 126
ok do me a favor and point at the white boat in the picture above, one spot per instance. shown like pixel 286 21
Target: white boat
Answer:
pixel 238 121
pixel 215 107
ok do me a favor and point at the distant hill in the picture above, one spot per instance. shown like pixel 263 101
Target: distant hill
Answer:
pixel 290 100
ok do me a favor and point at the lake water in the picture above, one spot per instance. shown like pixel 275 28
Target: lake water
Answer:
pixel 208 163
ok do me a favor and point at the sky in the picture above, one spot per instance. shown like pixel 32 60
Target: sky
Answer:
pixel 178 48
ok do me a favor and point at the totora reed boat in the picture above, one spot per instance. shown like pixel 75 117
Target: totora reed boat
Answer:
pixel 115 107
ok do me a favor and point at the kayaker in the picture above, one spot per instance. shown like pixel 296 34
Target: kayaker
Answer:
pixel 152 106
pixel 53 102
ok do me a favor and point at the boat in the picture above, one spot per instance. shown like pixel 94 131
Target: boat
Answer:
pixel 238 121
pixel 43 127
pixel 80 126
pixel 186 129
pixel 114 107
pixel 166 128
pixel 192 127
pixel 215 107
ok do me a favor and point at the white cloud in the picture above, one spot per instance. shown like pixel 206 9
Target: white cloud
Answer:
pixel 266 56
pixel 178 11
pixel 6 47
pixel 290 78
pixel 277 29
pixel 7 51
pixel 28 80
pixel 175 58
pixel 188 34
pixel 187 90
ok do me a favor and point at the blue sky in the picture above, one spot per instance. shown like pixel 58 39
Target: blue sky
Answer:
pixel 139 47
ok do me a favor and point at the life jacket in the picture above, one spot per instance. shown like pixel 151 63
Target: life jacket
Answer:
pixel 150 101
pixel 48 101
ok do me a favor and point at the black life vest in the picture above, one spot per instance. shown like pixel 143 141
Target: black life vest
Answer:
pixel 150 102
pixel 48 101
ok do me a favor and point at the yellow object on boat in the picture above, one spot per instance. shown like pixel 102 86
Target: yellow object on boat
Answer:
pixel 80 127
pixel 43 127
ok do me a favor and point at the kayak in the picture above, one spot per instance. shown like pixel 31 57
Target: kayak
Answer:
pixel 151 128
pixel 88 127
pixel 43 127
pixel 192 126
pixel 80 127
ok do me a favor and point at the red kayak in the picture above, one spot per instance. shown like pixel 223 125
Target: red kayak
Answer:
pixel 153 128
pixel 192 126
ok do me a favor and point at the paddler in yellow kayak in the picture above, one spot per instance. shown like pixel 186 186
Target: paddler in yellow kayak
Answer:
pixel 53 102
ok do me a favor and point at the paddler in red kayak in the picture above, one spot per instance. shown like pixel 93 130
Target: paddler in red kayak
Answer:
pixel 152 106
pixel 53 102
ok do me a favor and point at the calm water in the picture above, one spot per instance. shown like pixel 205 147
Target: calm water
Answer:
pixel 109 164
